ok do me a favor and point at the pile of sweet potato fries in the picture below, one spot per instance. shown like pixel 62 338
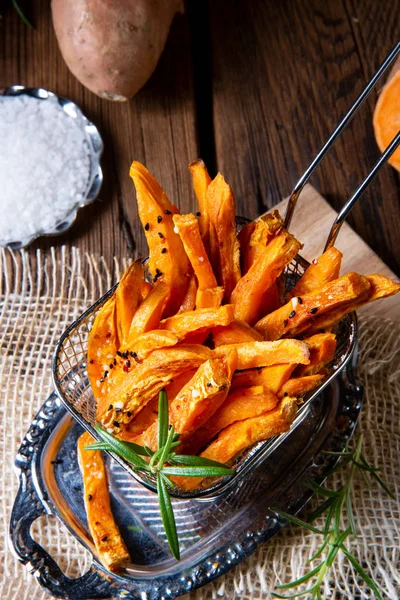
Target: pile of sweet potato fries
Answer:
pixel 216 327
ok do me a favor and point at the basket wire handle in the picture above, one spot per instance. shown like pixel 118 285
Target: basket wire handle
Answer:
pixel 335 134
pixel 340 219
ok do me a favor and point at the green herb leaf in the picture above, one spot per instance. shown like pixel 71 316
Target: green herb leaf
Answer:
pixel 321 490
pixel 301 580
pixel 197 461
pixel 320 510
pixel 167 516
pixel 296 520
pixel 370 582
pixel 135 447
pixel 121 448
pixel 185 471
pixel 21 14
pixel 162 418
pixel 167 447
pixel 320 549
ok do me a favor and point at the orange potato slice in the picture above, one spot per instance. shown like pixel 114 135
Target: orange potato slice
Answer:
pixel 201 181
pixel 252 355
pixel 386 119
pixel 321 271
pixel 148 315
pixel 235 333
pixel 272 378
pixel 102 345
pixel 322 350
pixel 203 318
pixel 298 386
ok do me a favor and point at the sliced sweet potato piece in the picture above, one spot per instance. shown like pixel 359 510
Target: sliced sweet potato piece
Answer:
pixel 148 315
pixel 235 333
pixel 127 396
pixel 272 378
pixel 380 287
pixel 240 435
pixel 322 350
pixel 146 288
pixel 323 270
pixel 252 355
pixel 201 181
pixel 300 312
pixel 168 262
pixel 102 345
pixel 270 300
pixel 247 295
pixel 203 318
pixel 209 298
pixel 224 245
pixel 298 386
pixel 199 398
pixel 189 301
pixel 145 343
pixel 128 297
pixel 242 403
pixel 189 232
pixel 252 246
pixel 107 538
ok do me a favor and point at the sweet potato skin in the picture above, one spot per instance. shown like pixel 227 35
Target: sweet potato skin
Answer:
pixel 112 48
pixel 103 528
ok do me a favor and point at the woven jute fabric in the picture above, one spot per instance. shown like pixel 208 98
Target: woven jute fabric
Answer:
pixel 40 295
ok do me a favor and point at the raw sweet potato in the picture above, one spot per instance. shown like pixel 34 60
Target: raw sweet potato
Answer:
pixel 148 315
pixel 240 404
pixel 168 262
pixel 102 346
pixel 107 538
pixel 235 333
pixel 112 48
pixel 252 355
pixel 247 295
pixel 201 181
pixel 203 318
pixel 224 245
pixel 300 312
pixel 272 378
pixel 240 435
pixel 298 386
pixel 322 350
pixel 128 297
pixel 142 383
pixel 323 270
pixel 199 398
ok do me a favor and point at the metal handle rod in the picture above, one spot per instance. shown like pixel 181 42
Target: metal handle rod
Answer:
pixel 340 219
pixel 346 119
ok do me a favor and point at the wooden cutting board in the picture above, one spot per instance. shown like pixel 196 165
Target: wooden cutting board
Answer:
pixel 311 224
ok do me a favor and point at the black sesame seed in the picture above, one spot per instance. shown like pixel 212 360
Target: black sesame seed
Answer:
pixel 90 497
pixel 198 214
pixel 91 361
pixel 322 330
pixel 116 424
pixel 292 314
pixel 101 380
pixel 128 413
pixel 285 394
pixel 119 354
pixel 104 539
pixel 285 323
pixel 125 354
pixel 209 384
pixel 163 251
pixel 147 226
pixel 110 407
pixel 158 272
pixel 128 363
pixel 105 374
pixel 299 300
pixel 114 362
pixel 167 212
pixel 159 219
pixel 111 366
pixel 117 410
pixel 314 310
pixel 161 235
pixel 133 354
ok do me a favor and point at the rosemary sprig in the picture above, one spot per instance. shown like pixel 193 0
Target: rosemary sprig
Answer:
pixel 21 14
pixel 162 463
pixel 337 506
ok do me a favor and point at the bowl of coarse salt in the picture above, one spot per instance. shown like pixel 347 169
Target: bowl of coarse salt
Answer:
pixel 49 164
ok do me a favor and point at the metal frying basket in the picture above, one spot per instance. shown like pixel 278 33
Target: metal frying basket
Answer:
pixel 69 361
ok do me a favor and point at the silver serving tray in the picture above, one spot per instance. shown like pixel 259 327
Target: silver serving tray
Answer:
pixel 95 144
pixel 215 534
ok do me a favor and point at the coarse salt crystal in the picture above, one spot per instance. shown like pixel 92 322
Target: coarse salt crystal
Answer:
pixel 44 166
pixel 118 404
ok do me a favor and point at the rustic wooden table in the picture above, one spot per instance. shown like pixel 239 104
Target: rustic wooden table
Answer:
pixel 254 88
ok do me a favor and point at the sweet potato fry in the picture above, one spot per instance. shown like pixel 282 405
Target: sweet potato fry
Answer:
pixel 128 297
pixel 240 435
pixel 224 245
pixel 270 300
pixel 148 315
pixel 203 318
pixel 380 287
pixel 201 181
pixel 299 313
pixel 272 378
pixel 235 333
pixel 146 288
pixel 189 301
pixel 242 403
pixel 125 398
pixel 189 232
pixel 322 350
pixel 107 538
pixel 209 298
pixel 102 346
pixel 252 355
pixel 199 398
pixel 325 269
pixel 247 295
pixel 298 386
pixel 254 241
pixel 145 343
pixel 155 211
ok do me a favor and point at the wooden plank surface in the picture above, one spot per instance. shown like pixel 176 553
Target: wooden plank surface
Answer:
pixel 254 87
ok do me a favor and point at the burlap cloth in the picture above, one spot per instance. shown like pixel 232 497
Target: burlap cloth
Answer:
pixel 40 297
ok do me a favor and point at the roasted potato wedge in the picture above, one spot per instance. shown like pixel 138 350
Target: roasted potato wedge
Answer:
pixel 298 386
pixel 324 269
pixel 322 350
pixel 235 333
pixel 272 378
pixel 102 345
pixel 252 355
pixel 201 181
pixel 128 296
